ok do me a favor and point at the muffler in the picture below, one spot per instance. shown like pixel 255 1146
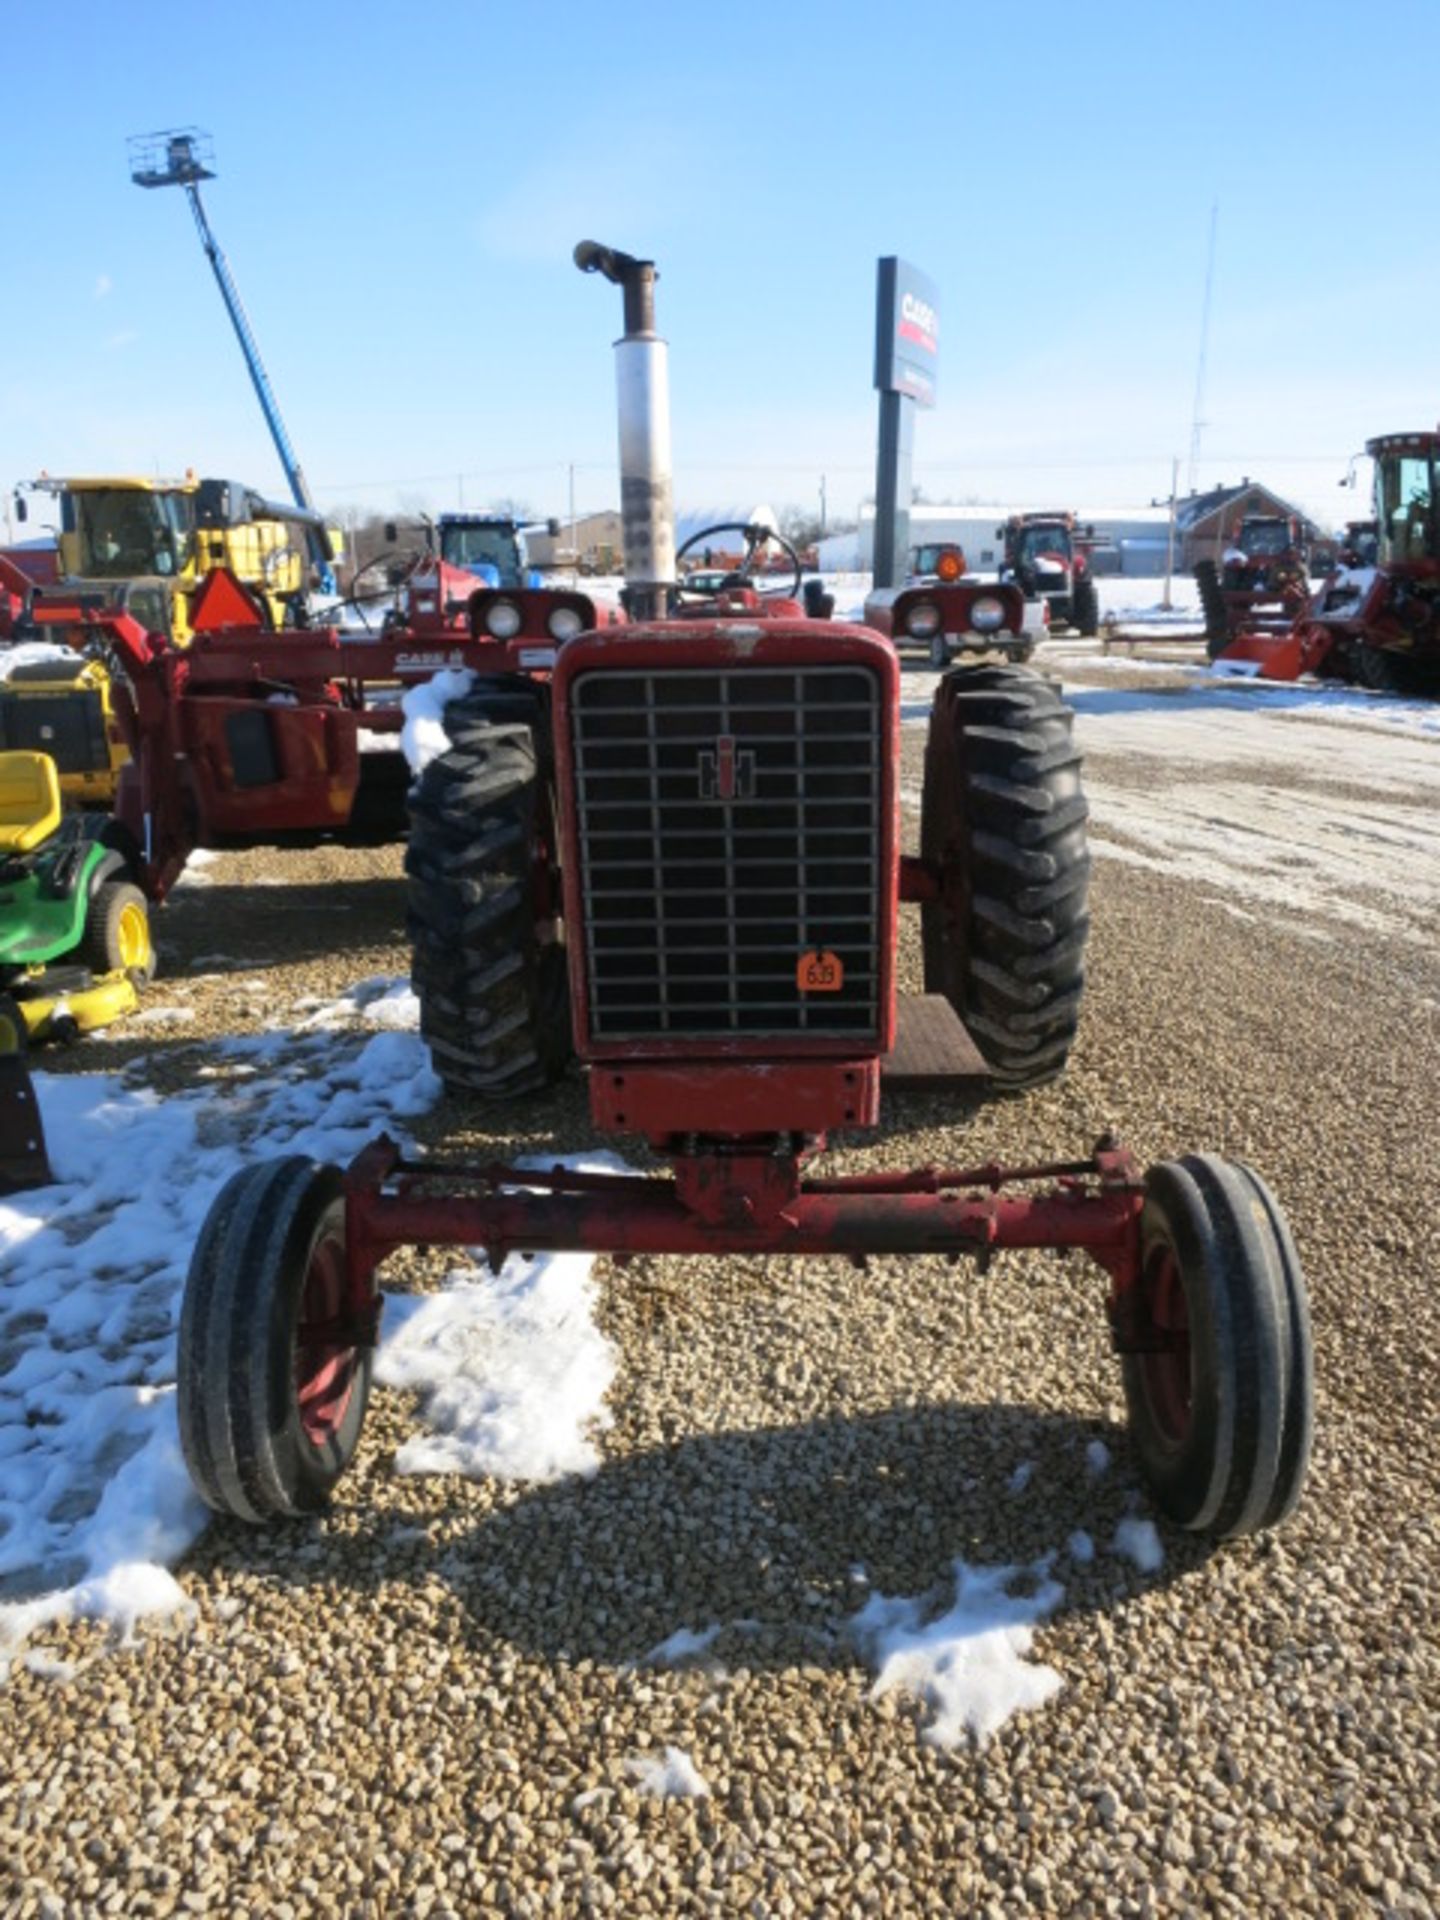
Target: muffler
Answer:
pixel 642 385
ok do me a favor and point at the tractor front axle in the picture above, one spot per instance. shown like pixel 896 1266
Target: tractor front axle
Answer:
pixel 743 1202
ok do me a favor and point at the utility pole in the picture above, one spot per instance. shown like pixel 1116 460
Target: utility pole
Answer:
pixel 1170 537
pixel 1196 421
pixel 822 506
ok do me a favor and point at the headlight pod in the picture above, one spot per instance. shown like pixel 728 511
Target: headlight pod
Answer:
pixel 923 619
pixel 564 623
pixel 503 620
pixel 987 614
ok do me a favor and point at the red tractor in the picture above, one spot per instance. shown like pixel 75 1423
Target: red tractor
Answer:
pixel 949 612
pixel 727 808
pixel 1376 619
pixel 251 736
pixel 1262 581
pixel 1047 555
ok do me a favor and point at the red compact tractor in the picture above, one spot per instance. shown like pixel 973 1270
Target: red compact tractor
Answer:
pixel 1047 555
pixel 949 612
pixel 1261 583
pixel 727 813
pixel 1376 619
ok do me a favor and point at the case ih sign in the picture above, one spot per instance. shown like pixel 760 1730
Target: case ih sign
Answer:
pixel 907 331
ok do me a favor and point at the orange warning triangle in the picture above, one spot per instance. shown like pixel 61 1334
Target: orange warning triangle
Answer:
pixel 224 601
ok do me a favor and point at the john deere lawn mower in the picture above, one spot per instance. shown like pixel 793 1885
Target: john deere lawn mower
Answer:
pixel 74 928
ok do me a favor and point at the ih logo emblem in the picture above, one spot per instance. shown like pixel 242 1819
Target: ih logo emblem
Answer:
pixel 727 774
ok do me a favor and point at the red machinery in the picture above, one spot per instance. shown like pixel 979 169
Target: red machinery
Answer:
pixel 950 613
pixel 1045 553
pixel 1262 582
pixel 1376 618
pixel 728 822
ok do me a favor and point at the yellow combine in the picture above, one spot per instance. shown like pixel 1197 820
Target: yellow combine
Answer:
pixel 144 546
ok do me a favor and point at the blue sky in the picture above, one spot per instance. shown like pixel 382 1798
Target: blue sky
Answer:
pixel 399 194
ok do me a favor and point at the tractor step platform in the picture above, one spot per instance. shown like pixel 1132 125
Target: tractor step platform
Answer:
pixel 933 1050
pixel 23 1160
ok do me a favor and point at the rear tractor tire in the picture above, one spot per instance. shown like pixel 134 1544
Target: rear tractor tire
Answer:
pixel 1221 1398
pixel 488 964
pixel 1002 824
pixel 117 932
pixel 274 1362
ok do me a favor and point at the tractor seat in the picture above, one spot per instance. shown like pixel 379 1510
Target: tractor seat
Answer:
pixel 29 801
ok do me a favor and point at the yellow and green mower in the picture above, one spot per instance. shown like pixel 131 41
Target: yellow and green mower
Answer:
pixel 75 942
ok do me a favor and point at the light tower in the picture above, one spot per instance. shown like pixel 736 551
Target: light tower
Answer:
pixel 183 157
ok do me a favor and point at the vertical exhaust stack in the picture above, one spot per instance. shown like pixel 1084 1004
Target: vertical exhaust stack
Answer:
pixel 642 384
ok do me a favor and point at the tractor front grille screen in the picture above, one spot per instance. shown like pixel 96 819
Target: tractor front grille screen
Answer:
pixel 730 838
pixel 70 727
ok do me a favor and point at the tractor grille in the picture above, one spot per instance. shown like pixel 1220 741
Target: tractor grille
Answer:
pixel 729 826
pixel 70 727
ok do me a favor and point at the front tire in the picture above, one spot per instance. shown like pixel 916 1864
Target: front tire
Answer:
pixel 1221 1393
pixel 117 932
pixel 1212 603
pixel 1002 825
pixel 488 966
pixel 1085 608
pixel 274 1361
pixel 1384 670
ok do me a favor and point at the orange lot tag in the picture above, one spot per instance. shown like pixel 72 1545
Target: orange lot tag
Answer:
pixel 819 972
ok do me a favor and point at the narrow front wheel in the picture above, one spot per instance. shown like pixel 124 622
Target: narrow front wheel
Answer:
pixel 274 1357
pixel 1219 1375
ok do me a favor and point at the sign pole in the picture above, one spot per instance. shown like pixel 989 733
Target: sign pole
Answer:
pixel 907 348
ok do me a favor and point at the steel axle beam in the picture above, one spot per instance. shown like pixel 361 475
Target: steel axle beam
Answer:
pixel 749 1203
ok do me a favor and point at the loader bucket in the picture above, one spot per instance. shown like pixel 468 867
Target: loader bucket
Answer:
pixel 1268 656
pixel 23 1160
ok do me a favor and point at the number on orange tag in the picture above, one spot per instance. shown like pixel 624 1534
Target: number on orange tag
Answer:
pixel 819 971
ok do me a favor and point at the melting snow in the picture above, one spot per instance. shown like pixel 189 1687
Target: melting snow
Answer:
pixel 970 1665
pixel 674 1775
pixel 684 1644
pixel 95 1503
pixel 1080 1547
pixel 423 737
pixel 1137 1540
pixel 1097 1456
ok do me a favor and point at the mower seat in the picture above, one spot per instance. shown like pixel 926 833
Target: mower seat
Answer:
pixel 29 801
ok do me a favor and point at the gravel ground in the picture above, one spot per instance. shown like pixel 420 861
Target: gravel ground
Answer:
pixel 425 1703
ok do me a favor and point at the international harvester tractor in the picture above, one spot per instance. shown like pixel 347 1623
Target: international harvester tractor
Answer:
pixel 727 806
pixel 1376 619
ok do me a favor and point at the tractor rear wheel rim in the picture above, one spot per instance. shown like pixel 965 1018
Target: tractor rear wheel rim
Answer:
pixel 1165 1372
pixel 132 936
pixel 324 1371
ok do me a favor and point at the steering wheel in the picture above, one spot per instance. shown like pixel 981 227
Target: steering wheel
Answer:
pixel 755 538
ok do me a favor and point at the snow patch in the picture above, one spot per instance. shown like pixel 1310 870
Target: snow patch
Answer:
pixel 684 1644
pixel 95 1503
pixel 673 1776
pixel 1097 1457
pixel 1137 1540
pixel 1080 1547
pixel 971 1665
pixel 423 737
pixel 511 1368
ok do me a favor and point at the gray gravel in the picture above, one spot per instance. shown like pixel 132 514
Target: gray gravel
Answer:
pixel 425 1703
